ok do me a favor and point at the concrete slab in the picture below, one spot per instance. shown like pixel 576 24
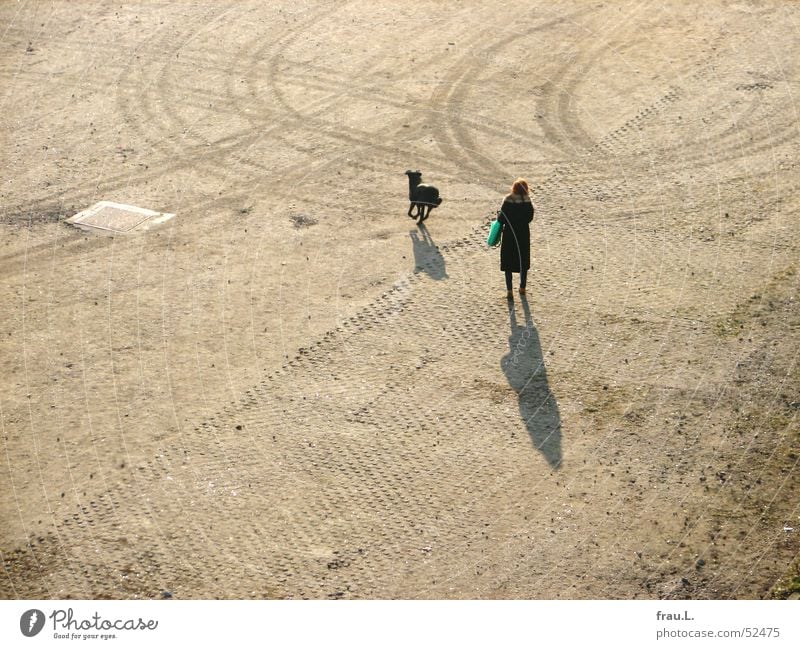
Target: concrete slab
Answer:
pixel 117 217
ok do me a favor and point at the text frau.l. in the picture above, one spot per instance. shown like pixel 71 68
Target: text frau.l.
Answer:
pixel 661 615
pixel 65 620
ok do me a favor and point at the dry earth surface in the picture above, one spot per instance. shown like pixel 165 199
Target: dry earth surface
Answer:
pixel 289 390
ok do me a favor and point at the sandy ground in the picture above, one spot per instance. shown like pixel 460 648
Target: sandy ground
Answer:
pixel 290 390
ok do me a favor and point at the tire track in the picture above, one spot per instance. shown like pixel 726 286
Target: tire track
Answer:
pixel 451 94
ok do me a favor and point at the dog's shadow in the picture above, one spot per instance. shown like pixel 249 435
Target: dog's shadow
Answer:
pixel 427 257
pixel 524 368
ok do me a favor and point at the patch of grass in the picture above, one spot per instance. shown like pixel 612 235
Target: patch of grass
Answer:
pixel 728 327
pixel 607 403
pixel 757 305
pixel 776 421
pixel 788 586
pixel 303 220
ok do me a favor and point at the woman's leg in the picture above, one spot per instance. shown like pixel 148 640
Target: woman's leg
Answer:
pixel 509 283
pixel 523 279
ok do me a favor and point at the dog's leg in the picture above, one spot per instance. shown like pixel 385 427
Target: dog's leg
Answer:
pixel 411 207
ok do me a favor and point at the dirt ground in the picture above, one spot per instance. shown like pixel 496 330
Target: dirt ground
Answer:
pixel 291 391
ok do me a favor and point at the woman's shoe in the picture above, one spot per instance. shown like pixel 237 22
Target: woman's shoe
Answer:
pixel 510 295
pixel 522 290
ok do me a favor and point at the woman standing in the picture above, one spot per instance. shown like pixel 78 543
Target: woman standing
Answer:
pixel 515 248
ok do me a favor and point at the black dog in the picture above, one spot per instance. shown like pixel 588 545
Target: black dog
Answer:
pixel 421 196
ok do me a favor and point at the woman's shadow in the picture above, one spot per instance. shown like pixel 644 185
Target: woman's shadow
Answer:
pixel 427 257
pixel 524 368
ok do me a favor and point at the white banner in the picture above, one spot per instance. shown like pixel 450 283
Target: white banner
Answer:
pixel 378 624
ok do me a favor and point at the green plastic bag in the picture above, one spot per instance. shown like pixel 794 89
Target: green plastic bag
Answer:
pixel 494 233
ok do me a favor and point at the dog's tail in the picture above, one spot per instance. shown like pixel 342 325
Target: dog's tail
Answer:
pixel 439 201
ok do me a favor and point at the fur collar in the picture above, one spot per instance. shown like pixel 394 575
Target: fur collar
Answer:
pixel 516 198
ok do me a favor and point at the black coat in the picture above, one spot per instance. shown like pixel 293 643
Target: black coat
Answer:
pixel 515 247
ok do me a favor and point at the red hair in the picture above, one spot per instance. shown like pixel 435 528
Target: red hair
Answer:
pixel 520 187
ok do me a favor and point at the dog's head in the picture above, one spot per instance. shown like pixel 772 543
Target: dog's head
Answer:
pixel 414 175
